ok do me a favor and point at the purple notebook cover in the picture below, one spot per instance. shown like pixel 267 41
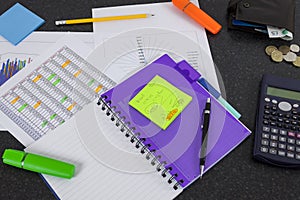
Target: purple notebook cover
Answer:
pixel 179 145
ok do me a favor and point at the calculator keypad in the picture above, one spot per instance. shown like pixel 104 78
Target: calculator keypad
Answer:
pixel 280 134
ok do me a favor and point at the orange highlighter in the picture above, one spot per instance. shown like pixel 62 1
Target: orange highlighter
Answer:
pixel 198 15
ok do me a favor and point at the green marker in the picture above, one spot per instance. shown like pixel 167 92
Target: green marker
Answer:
pixel 36 163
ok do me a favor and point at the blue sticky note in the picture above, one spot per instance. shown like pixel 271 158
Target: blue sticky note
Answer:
pixel 18 22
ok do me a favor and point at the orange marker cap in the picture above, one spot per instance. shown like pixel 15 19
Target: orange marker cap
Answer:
pixel 198 15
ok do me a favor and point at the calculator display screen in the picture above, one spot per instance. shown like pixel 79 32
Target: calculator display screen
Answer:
pixel 289 94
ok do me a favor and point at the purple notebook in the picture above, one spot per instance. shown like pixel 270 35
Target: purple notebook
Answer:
pixel 176 149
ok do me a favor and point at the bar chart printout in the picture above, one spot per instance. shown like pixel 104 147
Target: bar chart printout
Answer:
pixel 12 66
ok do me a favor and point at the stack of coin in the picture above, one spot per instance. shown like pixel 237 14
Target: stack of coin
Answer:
pixel 284 52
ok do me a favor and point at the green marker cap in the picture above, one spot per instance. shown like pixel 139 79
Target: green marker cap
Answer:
pixel 37 163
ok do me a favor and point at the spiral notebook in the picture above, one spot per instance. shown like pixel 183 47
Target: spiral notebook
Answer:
pixel 119 153
pixel 173 149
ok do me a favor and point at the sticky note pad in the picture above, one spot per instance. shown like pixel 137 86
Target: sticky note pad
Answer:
pixel 18 22
pixel 160 101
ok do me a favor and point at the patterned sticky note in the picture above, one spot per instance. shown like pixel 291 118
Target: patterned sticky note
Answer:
pixel 160 101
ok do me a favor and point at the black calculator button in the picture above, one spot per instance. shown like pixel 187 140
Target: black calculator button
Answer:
pixel 294 112
pixel 267 100
pixel 294 117
pixel 298 149
pixel 282 139
pixel 265 135
pixel 283 132
pixel 287 121
pixel 298 156
pixel 290 155
pixel 287 116
pixel 266 122
pixel 286 126
pixel 279 125
pixel 267 107
pixel 281 153
pixel 267 112
pixel 281 146
pixel 266 117
pixel 290 148
pixel 273 151
pixel 273 144
pixel 280 119
pixel 294 123
pixel 273 124
pixel 264 149
pixel 294 128
pixel 273 119
pixel 274 101
pixel 265 142
pixel 274 108
pixel 274 113
pixel 274 137
pixel 291 141
pixel 280 115
pixel 274 130
pixel 266 129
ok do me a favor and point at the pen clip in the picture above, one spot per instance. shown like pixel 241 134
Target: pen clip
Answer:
pixel 206 109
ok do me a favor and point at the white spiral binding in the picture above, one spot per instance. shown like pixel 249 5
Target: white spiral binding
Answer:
pixel 120 121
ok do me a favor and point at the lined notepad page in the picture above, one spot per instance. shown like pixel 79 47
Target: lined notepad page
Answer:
pixel 107 164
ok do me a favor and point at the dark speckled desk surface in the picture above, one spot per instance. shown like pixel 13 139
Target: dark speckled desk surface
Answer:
pixel 241 62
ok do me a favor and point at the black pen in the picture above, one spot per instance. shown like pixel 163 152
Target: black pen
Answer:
pixel 205 125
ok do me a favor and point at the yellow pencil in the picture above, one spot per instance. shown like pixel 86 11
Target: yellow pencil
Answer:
pixel 102 19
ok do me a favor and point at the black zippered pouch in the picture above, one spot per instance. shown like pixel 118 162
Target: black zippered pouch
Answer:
pixel 277 13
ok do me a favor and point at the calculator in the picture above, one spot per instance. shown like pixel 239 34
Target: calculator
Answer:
pixel 277 134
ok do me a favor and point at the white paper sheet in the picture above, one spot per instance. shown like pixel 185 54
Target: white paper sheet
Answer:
pixel 167 16
pixel 128 52
pixel 79 47
pixel 103 171
pixel 34 45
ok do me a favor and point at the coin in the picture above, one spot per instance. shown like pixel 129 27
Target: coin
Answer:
pixel 290 57
pixel 297 62
pixel 277 56
pixel 270 49
pixel 284 49
pixel 295 48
